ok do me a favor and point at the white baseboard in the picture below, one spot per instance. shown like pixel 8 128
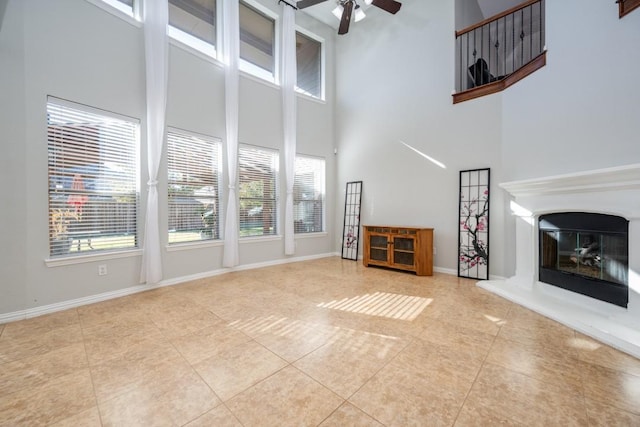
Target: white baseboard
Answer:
pixel 78 302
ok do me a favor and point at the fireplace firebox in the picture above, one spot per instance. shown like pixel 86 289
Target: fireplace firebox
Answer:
pixel 587 253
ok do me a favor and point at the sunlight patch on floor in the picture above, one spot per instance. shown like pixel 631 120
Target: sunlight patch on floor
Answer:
pixel 383 304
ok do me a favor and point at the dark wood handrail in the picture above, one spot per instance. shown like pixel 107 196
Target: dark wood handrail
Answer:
pixel 626 6
pixel 496 17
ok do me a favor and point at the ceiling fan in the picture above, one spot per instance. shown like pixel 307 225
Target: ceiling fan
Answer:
pixel 349 6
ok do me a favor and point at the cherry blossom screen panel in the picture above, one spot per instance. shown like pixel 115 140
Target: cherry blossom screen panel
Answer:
pixel 473 224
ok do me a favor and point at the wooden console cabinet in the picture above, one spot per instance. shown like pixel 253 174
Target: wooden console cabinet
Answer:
pixel 402 248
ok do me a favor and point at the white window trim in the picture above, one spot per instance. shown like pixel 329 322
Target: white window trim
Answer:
pixel 196 46
pixel 323 61
pixel 83 259
pixel 116 8
pixel 106 255
pixel 187 246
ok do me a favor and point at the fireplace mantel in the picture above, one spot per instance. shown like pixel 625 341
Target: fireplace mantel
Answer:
pixel 610 179
pixel 613 191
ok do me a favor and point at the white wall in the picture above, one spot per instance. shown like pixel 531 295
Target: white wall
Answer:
pixel 13 191
pixel 77 51
pixel 396 75
pixel 581 111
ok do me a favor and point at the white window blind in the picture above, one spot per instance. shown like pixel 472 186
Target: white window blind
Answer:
pixel 193 163
pixel 258 195
pixel 93 179
pixel 308 195
pixel 193 22
pixel 309 65
pixel 257 41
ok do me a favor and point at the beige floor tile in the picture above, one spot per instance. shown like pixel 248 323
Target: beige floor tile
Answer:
pixel 425 384
pixel 349 359
pixel 41 324
pixel 501 394
pixel 88 418
pixel 601 415
pixel 139 364
pixel 596 353
pixel 292 339
pixel 36 370
pixel 204 343
pixel 107 340
pixel 611 387
pixel 540 332
pixel 48 403
pixel 546 364
pixel 188 325
pixel 480 416
pixel 349 415
pixel 233 371
pixel 34 344
pixel 220 416
pixel 457 338
pixel 287 398
pixel 165 400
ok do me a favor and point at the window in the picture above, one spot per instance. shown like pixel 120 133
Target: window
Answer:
pixel 193 22
pixel 309 64
pixel 93 179
pixel 193 163
pixel 257 41
pixel 125 6
pixel 258 191
pixel 308 195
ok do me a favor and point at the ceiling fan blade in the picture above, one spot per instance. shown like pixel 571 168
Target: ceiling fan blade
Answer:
pixel 307 3
pixel 346 17
pixel 390 6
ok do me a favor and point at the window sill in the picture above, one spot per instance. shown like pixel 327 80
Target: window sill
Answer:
pixel 317 234
pixel 311 98
pixel 130 19
pixel 254 239
pixel 175 247
pixel 82 259
pixel 258 79
pixel 195 51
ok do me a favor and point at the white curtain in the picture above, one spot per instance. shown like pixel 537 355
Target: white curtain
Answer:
pixel 289 77
pixel 231 52
pixel 155 17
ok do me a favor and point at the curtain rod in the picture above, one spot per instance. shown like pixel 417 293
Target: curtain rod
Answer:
pixel 287 3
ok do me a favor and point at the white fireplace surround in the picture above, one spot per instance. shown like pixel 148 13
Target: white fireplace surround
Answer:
pixel 613 191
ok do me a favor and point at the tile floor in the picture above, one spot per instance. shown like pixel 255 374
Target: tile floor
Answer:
pixel 318 343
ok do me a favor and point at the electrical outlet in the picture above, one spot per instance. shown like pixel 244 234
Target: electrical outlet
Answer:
pixel 102 270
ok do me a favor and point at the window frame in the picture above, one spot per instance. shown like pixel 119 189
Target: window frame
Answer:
pixel 323 192
pixel 74 257
pixel 120 10
pixel 245 66
pixel 216 146
pixel 323 56
pixel 276 189
pixel 188 41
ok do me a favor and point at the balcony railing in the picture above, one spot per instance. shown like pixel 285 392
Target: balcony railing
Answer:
pixel 497 52
pixel 626 6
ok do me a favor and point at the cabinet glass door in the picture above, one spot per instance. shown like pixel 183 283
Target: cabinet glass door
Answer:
pixel 378 248
pixel 403 250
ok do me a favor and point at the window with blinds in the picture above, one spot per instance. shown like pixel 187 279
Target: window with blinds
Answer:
pixel 308 195
pixel 257 191
pixel 193 22
pixel 193 164
pixel 93 179
pixel 257 40
pixel 309 64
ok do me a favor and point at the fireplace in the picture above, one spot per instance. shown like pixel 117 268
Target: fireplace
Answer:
pixel 585 253
pixel 581 227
